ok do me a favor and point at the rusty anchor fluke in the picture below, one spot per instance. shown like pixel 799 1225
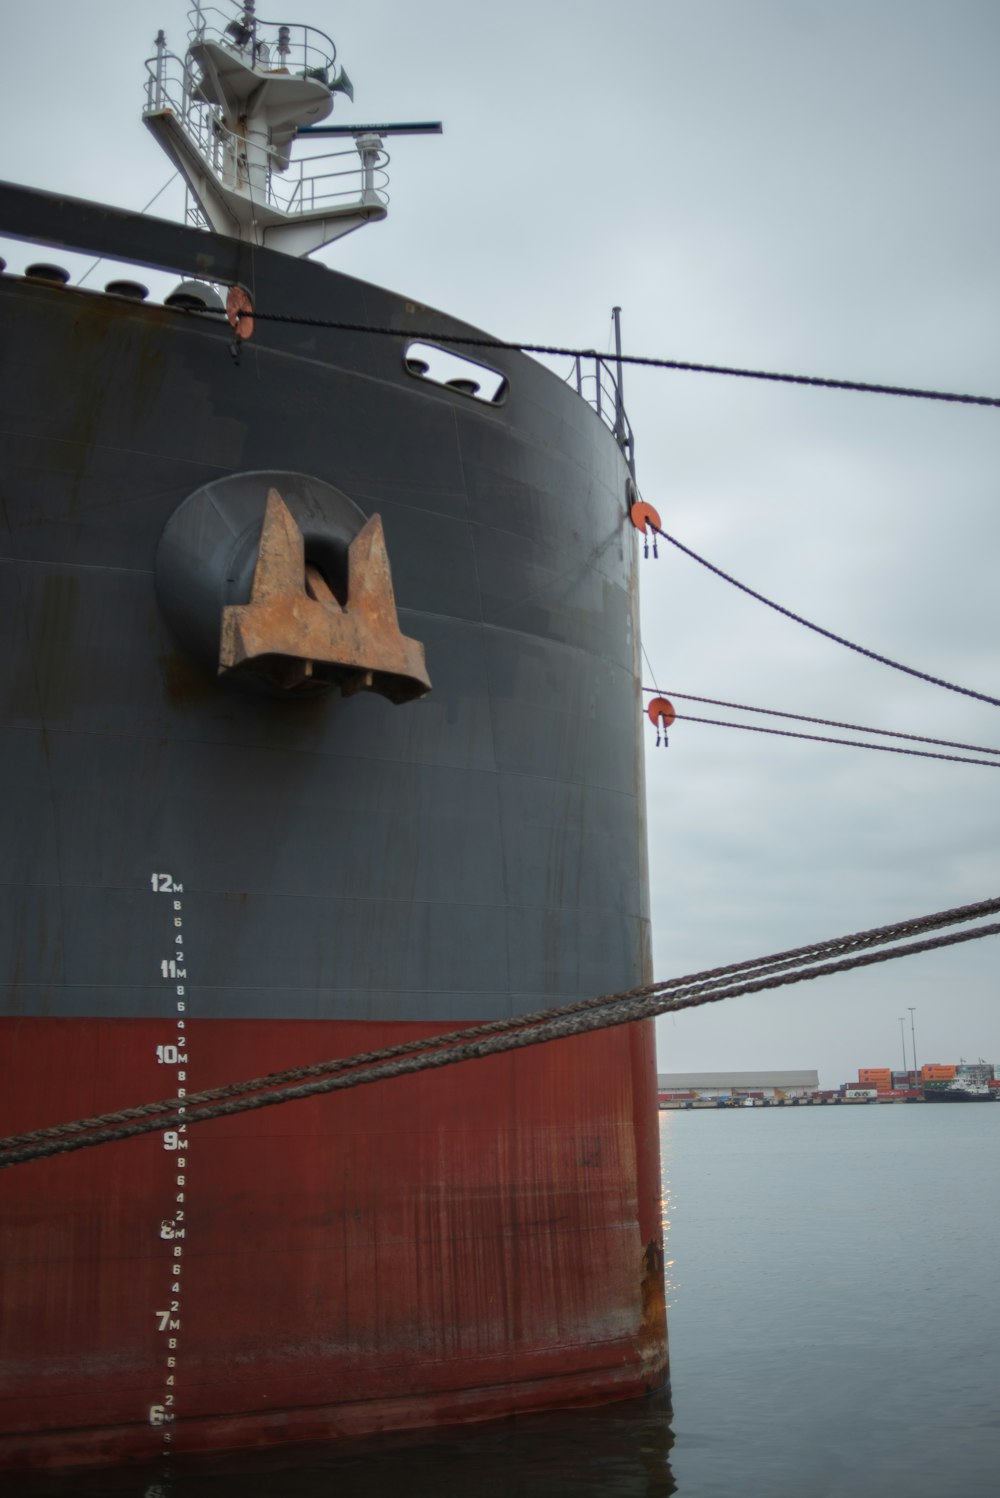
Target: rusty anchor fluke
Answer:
pixel 295 632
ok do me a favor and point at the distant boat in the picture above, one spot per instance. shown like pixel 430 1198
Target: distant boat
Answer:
pixel 958 1091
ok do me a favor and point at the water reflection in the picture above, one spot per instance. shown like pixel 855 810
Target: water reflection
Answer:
pixel 622 1451
pixel 666 1208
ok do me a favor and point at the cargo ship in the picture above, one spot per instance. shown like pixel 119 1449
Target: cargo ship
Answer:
pixel 321 732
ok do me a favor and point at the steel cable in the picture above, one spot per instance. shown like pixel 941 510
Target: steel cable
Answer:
pixel 773 712
pixel 814 950
pixel 495 1037
pixel 820 738
pixel 686 366
pixel 829 634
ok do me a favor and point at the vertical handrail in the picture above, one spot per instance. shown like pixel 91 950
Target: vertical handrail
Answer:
pixel 154 88
pixel 607 400
pixel 249 18
pixel 616 315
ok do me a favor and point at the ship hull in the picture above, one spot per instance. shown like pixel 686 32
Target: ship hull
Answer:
pixel 396 1255
pixel 956 1095
pixel 200 884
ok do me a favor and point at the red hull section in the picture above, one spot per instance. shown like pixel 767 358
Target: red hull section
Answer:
pixel 451 1246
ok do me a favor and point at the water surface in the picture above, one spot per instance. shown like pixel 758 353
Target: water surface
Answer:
pixel 834 1300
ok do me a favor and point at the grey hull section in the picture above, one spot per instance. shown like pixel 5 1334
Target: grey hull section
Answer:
pixel 474 854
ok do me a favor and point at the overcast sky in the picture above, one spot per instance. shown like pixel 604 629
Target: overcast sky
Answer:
pixel 805 185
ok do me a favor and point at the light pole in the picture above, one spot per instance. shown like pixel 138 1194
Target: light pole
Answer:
pixel 902 1036
pixel 913 1034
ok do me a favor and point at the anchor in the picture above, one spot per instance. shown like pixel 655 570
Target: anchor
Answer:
pixel 294 632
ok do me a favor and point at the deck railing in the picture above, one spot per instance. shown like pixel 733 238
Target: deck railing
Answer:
pixel 304 50
pixel 595 381
pixel 355 173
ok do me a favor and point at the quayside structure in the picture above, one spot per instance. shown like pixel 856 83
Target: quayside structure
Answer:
pixel 319 730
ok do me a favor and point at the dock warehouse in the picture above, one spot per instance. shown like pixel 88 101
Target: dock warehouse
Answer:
pixel 768 1085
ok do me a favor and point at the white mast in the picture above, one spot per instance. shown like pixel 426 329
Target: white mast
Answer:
pixel 227 115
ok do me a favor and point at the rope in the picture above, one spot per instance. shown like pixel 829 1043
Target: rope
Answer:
pixel 683 365
pixel 773 712
pixel 819 738
pixel 872 655
pixel 498 1036
pixel 854 941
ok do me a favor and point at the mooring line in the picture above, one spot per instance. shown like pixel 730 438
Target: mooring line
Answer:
pixel 775 961
pixel 495 1037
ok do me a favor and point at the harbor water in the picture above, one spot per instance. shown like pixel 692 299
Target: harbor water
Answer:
pixel 834 1326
